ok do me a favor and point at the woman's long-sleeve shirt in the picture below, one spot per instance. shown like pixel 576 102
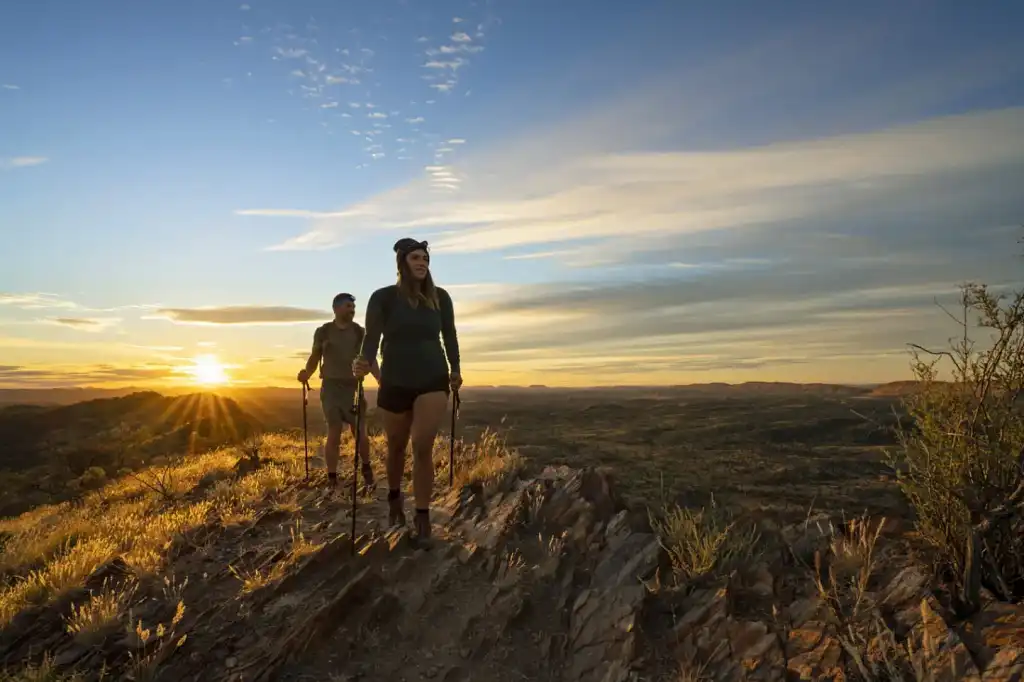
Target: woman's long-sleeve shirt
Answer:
pixel 410 338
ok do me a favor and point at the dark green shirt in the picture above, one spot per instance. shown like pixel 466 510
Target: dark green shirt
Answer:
pixel 410 338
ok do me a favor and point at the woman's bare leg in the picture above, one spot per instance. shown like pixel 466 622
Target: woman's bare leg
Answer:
pixel 428 412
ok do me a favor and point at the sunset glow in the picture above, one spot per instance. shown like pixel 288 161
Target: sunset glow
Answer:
pixel 677 194
pixel 208 371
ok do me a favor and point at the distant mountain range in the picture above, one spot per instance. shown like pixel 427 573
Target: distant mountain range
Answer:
pixel 43 448
pixel 255 395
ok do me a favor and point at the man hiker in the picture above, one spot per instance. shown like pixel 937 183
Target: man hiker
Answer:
pixel 335 346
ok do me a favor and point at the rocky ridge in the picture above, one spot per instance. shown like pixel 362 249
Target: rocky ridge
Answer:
pixel 548 577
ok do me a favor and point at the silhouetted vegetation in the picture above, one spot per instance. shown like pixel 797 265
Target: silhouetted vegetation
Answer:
pixel 51 454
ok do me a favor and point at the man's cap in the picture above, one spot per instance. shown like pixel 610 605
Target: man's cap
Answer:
pixel 343 297
pixel 408 244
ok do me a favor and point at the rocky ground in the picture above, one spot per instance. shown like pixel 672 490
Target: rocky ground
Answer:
pixel 535 577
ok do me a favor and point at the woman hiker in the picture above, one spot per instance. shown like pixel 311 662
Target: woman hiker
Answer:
pixel 407 321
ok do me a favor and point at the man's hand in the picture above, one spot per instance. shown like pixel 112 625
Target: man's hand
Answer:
pixel 360 367
pixel 456 381
pixel 303 376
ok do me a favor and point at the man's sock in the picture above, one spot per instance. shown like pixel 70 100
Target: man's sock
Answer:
pixel 424 512
pixel 332 477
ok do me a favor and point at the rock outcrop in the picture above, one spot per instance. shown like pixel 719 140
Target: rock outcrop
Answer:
pixel 548 577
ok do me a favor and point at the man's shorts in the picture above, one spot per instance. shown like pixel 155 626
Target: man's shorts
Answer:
pixel 399 399
pixel 337 398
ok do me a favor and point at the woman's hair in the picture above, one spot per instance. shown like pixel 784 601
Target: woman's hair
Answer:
pixel 413 290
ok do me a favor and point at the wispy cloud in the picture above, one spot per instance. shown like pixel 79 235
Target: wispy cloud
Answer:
pixel 640 200
pixel 291 53
pixel 443 65
pixel 87 375
pixel 240 315
pixel 10 86
pixel 830 321
pixel 22 161
pixel 88 324
pixel 32 301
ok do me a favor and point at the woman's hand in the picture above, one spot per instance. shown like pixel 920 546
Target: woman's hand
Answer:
pixel 456 381
pixel 360 367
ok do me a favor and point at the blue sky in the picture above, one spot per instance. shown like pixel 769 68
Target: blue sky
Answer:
pixel 645 192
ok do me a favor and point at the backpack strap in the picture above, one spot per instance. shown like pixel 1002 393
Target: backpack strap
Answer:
pixel 319 337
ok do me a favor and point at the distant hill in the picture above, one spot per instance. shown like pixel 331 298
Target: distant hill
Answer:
pixel 900 389
pixel 44 448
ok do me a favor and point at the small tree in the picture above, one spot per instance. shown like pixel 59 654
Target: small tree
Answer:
pixel 961 459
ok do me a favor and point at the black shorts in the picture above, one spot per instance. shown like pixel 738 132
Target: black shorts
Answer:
pixel 399 399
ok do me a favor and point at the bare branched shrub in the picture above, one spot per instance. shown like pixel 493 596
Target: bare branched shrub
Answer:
pixel 252 445
pixel 160 479
pixel 961 459
pixel 704 542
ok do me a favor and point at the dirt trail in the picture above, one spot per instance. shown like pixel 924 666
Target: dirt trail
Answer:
pixel 506 590
pixel 486 600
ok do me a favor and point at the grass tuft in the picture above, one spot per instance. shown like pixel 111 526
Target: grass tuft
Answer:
pixel 704 542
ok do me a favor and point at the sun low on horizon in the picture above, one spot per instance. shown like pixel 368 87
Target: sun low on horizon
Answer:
pixel 675 193
pixel 207 370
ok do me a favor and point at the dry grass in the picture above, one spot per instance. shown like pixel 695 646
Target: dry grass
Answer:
pixel 843 577
pixel 154 644
pixel 484 462
pixel 704 542
pixel 256 579
pixel 45 671
pixel 101 612
pixel 52 549
pixel 55 548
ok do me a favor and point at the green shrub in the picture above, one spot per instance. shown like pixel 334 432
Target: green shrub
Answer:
pixel 960 458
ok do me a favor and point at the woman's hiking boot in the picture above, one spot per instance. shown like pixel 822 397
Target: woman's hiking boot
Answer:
pixel 421 526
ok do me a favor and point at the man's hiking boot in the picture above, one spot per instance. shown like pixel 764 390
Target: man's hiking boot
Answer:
pixel 396 515
pixel 368 482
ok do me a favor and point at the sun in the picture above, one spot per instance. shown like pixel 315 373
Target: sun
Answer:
pixel 208 371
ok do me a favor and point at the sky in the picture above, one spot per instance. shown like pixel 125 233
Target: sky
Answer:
pixel 649 192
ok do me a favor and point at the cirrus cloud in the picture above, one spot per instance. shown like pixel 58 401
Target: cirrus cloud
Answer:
pixel 240 315
pixel 22 161
pixel 88 324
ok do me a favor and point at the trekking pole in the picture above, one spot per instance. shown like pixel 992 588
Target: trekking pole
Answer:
pixel 451 449
pixel 355 458
pixel 305 424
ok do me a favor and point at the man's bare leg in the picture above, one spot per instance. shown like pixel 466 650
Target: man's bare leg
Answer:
pixel 364 451
pixel 332 451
